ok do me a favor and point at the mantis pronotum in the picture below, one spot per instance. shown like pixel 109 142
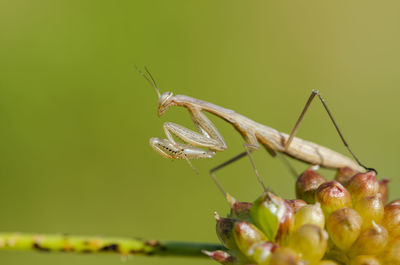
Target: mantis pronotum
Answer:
pixel 253 133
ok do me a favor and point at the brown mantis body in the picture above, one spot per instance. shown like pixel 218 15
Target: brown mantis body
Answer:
pixel 253 133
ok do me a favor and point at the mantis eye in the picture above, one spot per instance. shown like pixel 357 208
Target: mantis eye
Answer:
pixel 165 98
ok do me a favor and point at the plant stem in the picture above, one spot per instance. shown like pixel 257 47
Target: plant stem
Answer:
pixel 90 244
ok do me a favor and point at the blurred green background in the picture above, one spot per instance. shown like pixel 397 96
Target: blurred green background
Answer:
pixel 76 117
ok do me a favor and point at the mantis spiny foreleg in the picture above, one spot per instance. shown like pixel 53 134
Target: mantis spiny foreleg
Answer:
pixel 209 137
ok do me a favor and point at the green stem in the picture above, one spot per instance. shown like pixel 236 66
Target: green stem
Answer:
pixel 116 245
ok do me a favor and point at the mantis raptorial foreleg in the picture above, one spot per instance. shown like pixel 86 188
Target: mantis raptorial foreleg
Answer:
pixel 207 128
pixel 187 135
pixel 209 137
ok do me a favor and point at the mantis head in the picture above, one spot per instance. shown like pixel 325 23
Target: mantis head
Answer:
pixel 165 100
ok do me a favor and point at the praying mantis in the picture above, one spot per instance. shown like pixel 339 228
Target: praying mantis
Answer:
pixel 208 140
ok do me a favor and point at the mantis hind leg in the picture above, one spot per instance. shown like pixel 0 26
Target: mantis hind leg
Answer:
pixel 297 125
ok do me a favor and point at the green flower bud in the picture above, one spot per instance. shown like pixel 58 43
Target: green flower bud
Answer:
pixel 391 219
pixel 371 209
pixel 384 190
pixel 224 229
pixel 285 256
pixel 246 235
pixel 307 184
pixel 310 214
pixel 296 204
pixel 272 215
pixel 261 252
pixel 344 227
pixel 335 254
pixel 221 256
pixel 344 174
pixel 363 184
pixel 365 260
pixel 371 241
pixel 391 254
pixel 332 196
pixel 310 241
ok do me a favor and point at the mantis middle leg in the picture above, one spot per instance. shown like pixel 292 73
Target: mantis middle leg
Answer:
pixel 248 149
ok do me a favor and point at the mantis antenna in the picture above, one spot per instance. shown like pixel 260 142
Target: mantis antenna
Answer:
pixel 149 80
pixel 154 82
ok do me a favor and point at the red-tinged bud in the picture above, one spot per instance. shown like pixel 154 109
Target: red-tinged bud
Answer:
pixel 225 233
pixel 307 183
pixel 286 223
pixel 344 174
pixel 363 184
pixel 371 241
pixel 246 235
pixel 296 204
pixel 221 256
pixel 261 252
pixel 384 190
pixel 310 214
pixel 391 220
pixel 327 262
pixel 332 196
pixel 285 256
pixel 344 227
pixel 239 210
pixel 395 202
pixel 272 215
pixel 391 254
pixel 371 209
pixel 310 241
pixel 365 260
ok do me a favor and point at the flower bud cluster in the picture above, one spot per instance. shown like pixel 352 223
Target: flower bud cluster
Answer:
pixel 346 221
